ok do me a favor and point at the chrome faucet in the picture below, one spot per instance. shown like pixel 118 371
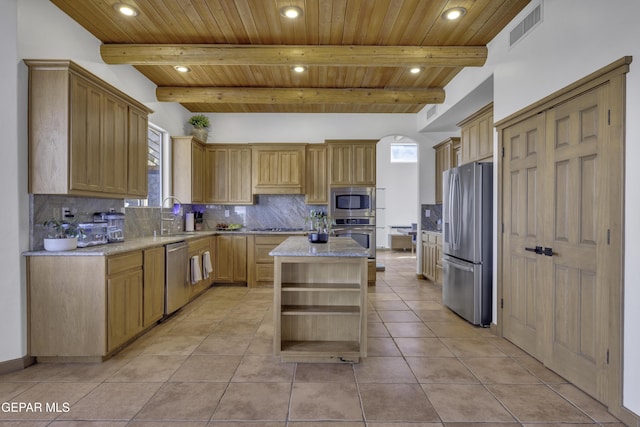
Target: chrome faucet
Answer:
pixel 168 216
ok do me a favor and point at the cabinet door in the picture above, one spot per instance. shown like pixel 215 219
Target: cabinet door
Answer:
pixel 340 159
pixel 223 270
pixel 278 169
pixel 86 150
pixel 153 285
pixel 363 170
pixel 114 142
pixel 197 173
pixel 138 152
pixel 239 245
pixel 469 142
pixel 124 307
pixel 443 162
pixel 485 136
pixel 239 176
pixel 317 192
pixel 456 154
pixel 425 259
pixel 216 181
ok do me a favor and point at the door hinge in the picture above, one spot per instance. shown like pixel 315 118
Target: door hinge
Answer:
pixel 608 117
pixel 608 236
pixel 607 356
pixel 501 302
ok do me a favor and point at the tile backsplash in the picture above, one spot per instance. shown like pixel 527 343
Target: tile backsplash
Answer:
pixel 431 217
pixel 284 211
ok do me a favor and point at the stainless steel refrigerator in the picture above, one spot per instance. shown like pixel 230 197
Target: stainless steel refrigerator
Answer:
pixel 467 213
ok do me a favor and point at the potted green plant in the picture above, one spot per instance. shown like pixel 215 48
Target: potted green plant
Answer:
pixel 319 232
pixel 200 124
pixel 62 235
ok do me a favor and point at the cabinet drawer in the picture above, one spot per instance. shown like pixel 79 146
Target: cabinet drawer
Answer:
pixel 271 240
pixel 264 272
pixel 124 262
pixel 200 245
pixel 432 238
pixel 262 253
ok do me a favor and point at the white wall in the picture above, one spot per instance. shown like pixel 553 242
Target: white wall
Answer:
pixel 576 38
pixel 13 195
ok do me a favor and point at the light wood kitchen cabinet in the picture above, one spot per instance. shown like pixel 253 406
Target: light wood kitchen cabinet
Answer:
pixel 230 259
pixel 79 133
pixel 153 285
pixel 138 153
pixel 352 162
pixel 198 248
pixel 84 308
pixel 477 136
pixel 320 309
pixel 188 175
pixel 432 256
pixel 316 189
pixel 259 262
pixel 124 298
pixel 278 168
pixel 445 159
pixel 228 174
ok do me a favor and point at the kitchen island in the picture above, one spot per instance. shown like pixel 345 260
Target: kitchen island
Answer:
pixel 320 300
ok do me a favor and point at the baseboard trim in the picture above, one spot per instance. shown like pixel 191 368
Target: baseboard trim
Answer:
pixel 626 416
pixel 9 366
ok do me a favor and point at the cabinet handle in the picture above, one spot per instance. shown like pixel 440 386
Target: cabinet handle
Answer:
pixel 537 250
pixel 548 252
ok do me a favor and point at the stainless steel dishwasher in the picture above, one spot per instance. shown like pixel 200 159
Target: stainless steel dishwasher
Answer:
pixel 176 281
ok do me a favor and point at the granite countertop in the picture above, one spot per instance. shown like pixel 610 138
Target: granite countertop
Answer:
pixel 336 247
pixel 149 242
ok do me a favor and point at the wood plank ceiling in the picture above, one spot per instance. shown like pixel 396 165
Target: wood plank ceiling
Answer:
pixel 358 53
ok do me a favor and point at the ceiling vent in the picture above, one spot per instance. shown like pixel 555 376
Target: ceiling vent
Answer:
pixel 526 25
pixel 432 111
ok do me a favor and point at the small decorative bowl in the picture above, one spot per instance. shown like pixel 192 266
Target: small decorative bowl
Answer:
pixel 318 237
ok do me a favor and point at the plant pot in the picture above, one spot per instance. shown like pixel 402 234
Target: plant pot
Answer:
pixel 200 133
pixel 318 237
pixel 57 245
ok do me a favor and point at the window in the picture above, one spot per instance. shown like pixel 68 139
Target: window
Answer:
pixel 155 136
pixel 404 153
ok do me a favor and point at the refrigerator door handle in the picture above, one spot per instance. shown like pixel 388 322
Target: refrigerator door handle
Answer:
pixel 458 265
pixel 455 210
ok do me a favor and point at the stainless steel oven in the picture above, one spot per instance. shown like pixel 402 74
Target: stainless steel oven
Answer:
pixel 362 230
pixel 352 202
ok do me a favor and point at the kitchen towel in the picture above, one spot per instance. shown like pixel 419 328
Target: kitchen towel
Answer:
pixel 196 273
pixel 207 268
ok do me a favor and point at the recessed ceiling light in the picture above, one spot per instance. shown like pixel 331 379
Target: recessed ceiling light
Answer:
pixel 291 12
pixel 299 68
pixel 415 70
pixel 125 9
pixel 454 13
pixel 182 68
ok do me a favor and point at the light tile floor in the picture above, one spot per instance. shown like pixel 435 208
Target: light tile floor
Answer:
pixel 212 365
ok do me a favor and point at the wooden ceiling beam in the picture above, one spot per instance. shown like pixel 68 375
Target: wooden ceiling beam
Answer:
pixel 208 54
pixel 227 95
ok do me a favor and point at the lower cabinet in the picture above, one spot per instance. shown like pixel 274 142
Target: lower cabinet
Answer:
pixel 230 259
pixel 259 262
pixel 87 307
pixel 153 286
pixel 432 256
pixel 198 250
pixel 124 298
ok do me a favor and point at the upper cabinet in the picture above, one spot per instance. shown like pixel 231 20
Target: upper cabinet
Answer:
pixel 188 175
pixel 228 174
pixel 278 168
pixel 84 135
pixel 446 158
pixel 316 189
pixel 477 136
pixel 352 162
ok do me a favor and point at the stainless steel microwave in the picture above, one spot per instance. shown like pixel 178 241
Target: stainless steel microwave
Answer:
pixel 349 202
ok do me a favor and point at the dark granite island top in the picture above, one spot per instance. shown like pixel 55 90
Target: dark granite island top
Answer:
pixel 299 246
